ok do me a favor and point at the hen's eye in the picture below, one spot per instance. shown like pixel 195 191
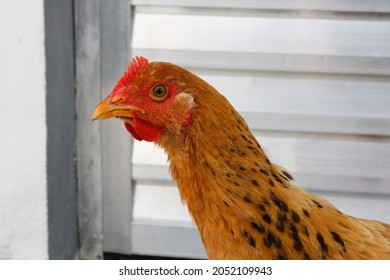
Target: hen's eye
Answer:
pixel 159 92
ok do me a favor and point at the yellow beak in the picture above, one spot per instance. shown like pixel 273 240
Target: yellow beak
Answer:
pixel 108 109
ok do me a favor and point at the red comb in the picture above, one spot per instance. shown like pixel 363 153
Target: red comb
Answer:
pixel 136 64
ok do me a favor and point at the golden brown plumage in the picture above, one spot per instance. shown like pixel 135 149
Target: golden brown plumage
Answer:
pixel 244 206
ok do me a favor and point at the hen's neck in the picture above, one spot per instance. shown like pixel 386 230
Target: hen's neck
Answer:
pixel 237 198
pixel 217 160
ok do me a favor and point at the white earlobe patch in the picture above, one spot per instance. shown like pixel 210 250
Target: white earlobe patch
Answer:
pixel 184 100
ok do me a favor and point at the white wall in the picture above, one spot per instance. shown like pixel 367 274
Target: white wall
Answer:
pixel 23 203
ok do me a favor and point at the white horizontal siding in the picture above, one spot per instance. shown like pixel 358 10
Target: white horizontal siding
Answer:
pixel 262 35
pixel 380 6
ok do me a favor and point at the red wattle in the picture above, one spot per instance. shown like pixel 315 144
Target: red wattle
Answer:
pixel 143 130
pixel 130 129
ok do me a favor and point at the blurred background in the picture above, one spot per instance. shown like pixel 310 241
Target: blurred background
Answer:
pixel 312 79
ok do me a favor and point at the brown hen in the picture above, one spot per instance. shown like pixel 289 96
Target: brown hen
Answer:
pixel 244 206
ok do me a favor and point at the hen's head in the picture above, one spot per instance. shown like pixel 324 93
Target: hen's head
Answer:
pixel 151 99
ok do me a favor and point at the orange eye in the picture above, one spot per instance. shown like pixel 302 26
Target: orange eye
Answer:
pixel 159 92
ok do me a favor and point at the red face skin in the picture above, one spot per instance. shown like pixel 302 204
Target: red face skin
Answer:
pixel 144 127
pixel 147 102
